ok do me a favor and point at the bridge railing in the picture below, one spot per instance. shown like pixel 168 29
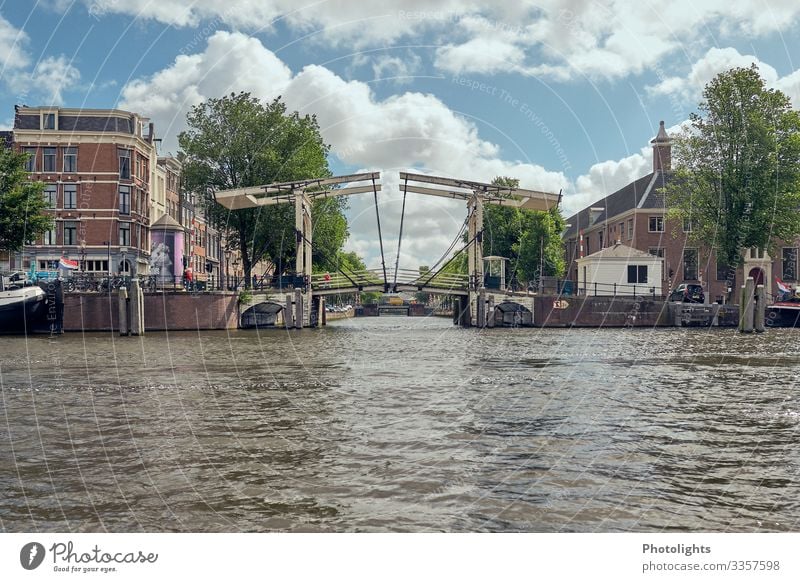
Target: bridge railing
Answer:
pixel 438 280
pixel 369 277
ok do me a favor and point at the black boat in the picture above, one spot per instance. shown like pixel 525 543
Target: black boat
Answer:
pixel 783 313
pixel 22 309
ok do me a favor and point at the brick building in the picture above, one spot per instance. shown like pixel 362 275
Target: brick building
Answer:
pixel 635 215
pixel 96 165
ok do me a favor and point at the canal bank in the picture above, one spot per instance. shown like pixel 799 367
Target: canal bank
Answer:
pixel 179 310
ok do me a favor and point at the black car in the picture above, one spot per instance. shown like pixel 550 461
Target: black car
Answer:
pixel 688 293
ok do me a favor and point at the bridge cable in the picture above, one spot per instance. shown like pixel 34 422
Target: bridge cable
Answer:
pixel 461 250
pixel 452 245
pixel 327 256
pixel 380 237
pixel 400 238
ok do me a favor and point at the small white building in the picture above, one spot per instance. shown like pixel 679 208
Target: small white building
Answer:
pixel 620 270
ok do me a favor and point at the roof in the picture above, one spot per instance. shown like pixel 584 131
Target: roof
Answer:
pixel 166 222
pixel 6 139
pixel 641 193
pixel 620 251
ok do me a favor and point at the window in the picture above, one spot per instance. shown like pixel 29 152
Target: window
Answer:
pixel 756 253
pixel 95 265
pixel 124 200
pixel 124 163
pixel 49 160
pixel 70 196
pixel 687 225
pixel 789 264
pixel 637 273
pixel 600 237
pixel 50 193
pixel 49 121
pixel 30 163
pixel 630 229
pixel 70 233
pixel 48 265
pixel 71 159
pixel 50 237
pixel 723 271
pixel 124 234
pixel 656 224
pixel 690 264
pixel 656 251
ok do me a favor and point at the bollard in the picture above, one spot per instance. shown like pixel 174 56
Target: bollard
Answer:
pixel 480 309
pixel 123 310
pixel 298 309
pixel 759 309
pixel 288 313
pixel 137 309
pixel 746 306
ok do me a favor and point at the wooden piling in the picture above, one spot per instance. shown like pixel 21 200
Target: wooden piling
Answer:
pixel 490 312
pixel 136 312
pixel 746 300
pixel 298 309
pixel 122 297
pixel 759 309
pixel 288 312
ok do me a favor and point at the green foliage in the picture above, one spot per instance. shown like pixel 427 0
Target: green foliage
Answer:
pixel 245 296
pixel 22 204
pixel 530 239
pixel 238 141
pixel 370 297
pixel 737 173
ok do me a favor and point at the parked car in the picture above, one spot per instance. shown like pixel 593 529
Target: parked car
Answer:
pixel 688 293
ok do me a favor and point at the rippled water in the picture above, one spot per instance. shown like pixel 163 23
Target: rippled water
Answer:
pixel 401 424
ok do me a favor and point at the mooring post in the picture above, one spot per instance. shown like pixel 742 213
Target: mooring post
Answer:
pixel 322 317
pixel 288 312
pixel 298 307
pixel 746 306
pixel 456 303
pixel 122 295
pixel 136 313
pixel 760 308
pixel 490 312
pixel 480 311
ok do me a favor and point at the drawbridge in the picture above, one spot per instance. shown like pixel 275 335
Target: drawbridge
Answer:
pixel 310 289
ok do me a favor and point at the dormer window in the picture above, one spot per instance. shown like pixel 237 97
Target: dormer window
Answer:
pixel 48 121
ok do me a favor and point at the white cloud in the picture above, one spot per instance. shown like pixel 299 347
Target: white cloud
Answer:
pixel 12 54
pixel 715 61
pixel 399 70
pixel 48 79
pixel 407 130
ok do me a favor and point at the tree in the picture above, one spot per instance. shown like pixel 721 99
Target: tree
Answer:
pixel 22 204
pixel 530 239
pixel 238 141
pixel 737 174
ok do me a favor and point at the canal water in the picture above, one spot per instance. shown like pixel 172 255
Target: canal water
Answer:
pixel 401 424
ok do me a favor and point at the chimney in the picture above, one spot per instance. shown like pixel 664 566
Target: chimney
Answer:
pixel 662 150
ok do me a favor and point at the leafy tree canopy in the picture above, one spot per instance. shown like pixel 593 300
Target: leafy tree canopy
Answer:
pixel 22 204
pixel 737 168
pixel 237 141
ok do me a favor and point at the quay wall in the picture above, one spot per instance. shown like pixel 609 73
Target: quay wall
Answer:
pixel 169 311
pixel 579 311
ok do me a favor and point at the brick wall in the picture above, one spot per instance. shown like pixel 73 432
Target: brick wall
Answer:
pixel 162 312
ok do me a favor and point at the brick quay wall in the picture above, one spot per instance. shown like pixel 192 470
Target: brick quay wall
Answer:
pixel 169 311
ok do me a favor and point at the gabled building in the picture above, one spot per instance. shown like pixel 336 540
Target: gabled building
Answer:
pixel 635 216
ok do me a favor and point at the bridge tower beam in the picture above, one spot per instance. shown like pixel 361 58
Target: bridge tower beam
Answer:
pixel 475 253
pixel 303 264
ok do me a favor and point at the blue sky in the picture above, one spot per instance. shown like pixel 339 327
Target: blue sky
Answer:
pixel 561 94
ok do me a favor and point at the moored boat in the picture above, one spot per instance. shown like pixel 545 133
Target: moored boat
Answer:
pixel 22 310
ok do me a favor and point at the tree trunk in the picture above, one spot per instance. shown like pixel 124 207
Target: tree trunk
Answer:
pixel 246 264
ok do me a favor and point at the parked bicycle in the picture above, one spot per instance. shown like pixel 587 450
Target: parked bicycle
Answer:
pixel 81 283
pixel 149 283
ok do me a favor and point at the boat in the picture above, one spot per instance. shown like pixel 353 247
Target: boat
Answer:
pixel 785 313
pixel 23 309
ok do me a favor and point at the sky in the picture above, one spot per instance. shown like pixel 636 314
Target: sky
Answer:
pixel 564 95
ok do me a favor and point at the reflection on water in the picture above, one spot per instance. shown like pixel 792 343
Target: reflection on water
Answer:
pixel 400 424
